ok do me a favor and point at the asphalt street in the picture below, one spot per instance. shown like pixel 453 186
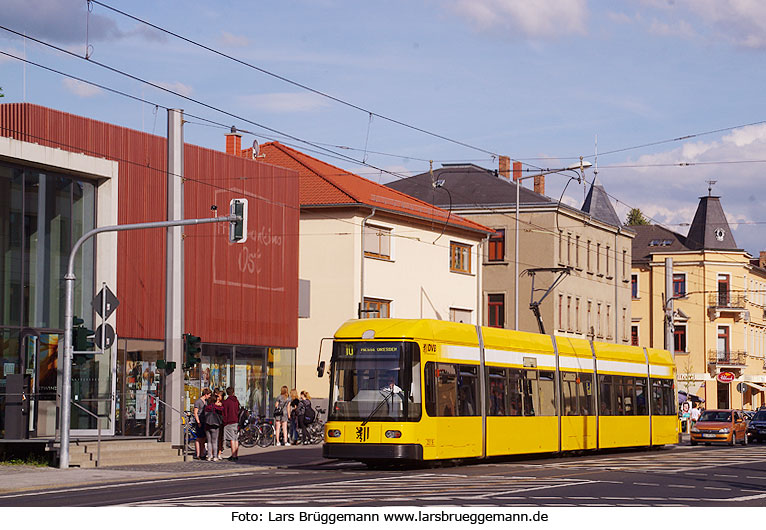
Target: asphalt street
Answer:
pixel 670 476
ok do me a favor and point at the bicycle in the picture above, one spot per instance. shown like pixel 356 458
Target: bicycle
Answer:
pixel 256 430
pixel 316 428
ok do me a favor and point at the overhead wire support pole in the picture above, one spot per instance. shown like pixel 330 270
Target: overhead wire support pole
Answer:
pixel 69 279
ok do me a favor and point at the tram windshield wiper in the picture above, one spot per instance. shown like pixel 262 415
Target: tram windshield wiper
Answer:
pixel 387 392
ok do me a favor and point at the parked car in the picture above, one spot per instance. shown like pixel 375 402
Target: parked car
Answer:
pixel 756 430
pixel 720 426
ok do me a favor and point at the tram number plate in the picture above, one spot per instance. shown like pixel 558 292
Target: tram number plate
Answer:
pixel 708 435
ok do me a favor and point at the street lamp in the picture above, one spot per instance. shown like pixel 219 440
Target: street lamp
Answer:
pixel 574 167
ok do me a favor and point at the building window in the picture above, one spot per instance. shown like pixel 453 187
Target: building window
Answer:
pixel 723 290
pixel 606 258
pixel 460 315
pixel 598 259
pixel 723 343
pixel 598 320
pixel 377 241
pixel 375 308
pixel 496 311
pixel 608 321
pixel 561 312
pixel 679 337
pixel 577 252
pixel 624 324
pixel 634 335
pixel 679 284
pixel 561 247
pixel 589 330
pixel 587 257
pixel 497 246
pixel 624 264
pixel 578 326
pixel 634 286
pixel 460 257
pixel 569 249
pixel 569 313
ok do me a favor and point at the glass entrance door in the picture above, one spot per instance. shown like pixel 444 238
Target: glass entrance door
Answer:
pixel 93 389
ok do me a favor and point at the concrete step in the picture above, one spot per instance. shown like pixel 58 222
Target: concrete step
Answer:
pixel 119 453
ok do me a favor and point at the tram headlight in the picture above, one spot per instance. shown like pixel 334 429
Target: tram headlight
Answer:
pixel 393 434
pixel 725 430
pixel 333 433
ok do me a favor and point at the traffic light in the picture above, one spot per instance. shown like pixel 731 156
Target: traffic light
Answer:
pixel 238 229
pixel 191 350
pixel 168 366
pixel 80 335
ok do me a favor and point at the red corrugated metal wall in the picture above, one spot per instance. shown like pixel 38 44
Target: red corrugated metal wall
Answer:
pixel 235 293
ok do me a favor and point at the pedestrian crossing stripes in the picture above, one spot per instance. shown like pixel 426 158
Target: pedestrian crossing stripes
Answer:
pixel 422 487
pixel 674 461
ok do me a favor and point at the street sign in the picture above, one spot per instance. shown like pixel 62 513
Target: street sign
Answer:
pixel 111 302
pixel 741 387
pixel 108 336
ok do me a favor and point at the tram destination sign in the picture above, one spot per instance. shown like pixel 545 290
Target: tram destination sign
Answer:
pixel 110 304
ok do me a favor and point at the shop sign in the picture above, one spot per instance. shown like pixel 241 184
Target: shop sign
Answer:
pixel 725 377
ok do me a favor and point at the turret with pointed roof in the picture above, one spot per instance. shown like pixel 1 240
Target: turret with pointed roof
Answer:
pixel 709 229
pixel 598 205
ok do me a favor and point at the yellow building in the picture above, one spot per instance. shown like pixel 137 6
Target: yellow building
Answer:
pixel 719 305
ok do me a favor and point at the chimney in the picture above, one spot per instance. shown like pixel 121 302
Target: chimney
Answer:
pixel 234 144
pixel 762 259
pixel 505 167
pixel 540 184
pixel 516 171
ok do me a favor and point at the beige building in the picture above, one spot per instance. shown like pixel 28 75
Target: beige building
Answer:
pixel 719 300
pixel 592 301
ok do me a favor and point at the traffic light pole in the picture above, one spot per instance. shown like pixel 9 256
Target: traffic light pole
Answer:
pixel 69 279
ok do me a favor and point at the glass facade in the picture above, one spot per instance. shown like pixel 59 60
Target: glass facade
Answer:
pixel 42 214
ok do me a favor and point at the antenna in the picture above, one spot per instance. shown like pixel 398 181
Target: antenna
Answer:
pixel 710 184
pixel 256 149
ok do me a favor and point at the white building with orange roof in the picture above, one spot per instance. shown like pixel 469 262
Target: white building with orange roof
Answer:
pixel 369 251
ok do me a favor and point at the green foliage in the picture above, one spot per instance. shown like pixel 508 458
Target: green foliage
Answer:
pixel 636 217
pixel 1 92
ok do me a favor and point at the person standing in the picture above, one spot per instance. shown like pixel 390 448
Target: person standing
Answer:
pixel 231 423
pixel 213 422
pixel 292 415
pixel 694 415
pixel 199 419
pixel 304 419
pixel 281 413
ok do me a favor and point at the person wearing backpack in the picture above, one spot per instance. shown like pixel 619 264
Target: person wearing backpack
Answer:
pixel 280 416
pixel 306 415
pixel 213 423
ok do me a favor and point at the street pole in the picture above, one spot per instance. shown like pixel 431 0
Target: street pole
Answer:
pixel 174 279
pixel 69 279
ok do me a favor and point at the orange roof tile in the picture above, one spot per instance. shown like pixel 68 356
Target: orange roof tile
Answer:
pixel 322 184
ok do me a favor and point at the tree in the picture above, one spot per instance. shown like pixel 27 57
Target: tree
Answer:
pixel 1 92
pixel 636 217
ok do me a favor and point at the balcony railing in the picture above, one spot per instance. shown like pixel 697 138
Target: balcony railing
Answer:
pixel 726 300
pixel 728 358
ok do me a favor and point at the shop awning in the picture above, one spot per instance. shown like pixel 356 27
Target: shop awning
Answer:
pixel 759 388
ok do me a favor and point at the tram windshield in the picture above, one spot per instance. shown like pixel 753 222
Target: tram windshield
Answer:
pixel 376 381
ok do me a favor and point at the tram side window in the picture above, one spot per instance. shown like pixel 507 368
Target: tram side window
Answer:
pixel 530 393
pixel 641 408
pixel 629 395
pixel 547 389
pixel 451 390
pixel 668 397
pixel 515 393
pixel 606 396
pixel 657 398
pixel 576 394
pixel 467 391
pixel 496 405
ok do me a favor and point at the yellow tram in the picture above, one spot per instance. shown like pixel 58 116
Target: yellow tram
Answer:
pixel 429 390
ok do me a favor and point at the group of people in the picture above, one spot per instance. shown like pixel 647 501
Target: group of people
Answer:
pixel 217 422
pixel 295 412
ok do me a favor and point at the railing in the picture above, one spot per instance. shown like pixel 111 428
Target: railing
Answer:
pixel 98 424
pixel 184 423
pixel 735 358
pixel 727 300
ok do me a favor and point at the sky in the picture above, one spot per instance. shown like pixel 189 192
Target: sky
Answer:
pixel 669 93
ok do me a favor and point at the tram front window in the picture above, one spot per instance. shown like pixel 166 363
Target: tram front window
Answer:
pixel 376 381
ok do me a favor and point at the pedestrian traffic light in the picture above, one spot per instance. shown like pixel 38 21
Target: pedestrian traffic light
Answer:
pixel 81 336
pixel 191 350
pixel 238 229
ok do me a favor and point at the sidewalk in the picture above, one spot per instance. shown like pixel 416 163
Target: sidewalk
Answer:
pixel 27 478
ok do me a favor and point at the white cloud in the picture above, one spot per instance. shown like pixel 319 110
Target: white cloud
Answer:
pixel 177 86
pixel 533 19
pixel 78 88
pixel 741 22
pixel 235 41
pixel 56 20
pixel 671 191
pixel 284 102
